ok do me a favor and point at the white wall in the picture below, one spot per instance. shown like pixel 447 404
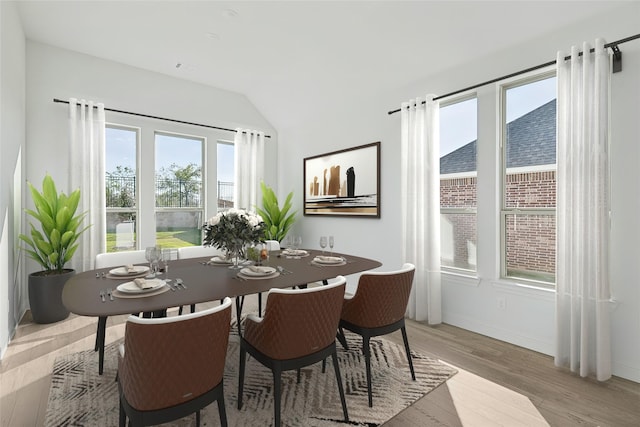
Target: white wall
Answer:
pixel 12 138
pixel 528 319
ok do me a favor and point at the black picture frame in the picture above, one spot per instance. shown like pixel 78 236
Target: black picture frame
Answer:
pixel 343 183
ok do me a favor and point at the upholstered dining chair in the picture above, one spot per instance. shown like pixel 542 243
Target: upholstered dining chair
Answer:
pixel 171 367
pixel 106 260
pixel 298 329
pixel 378 308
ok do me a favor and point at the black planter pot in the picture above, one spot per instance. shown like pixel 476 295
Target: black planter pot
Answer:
pixel 45 296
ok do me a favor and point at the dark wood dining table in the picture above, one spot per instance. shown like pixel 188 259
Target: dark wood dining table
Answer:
pixel 203 282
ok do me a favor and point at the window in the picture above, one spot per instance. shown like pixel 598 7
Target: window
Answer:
pixel 179 192
pixel 226 177
pixel 458 181
pixel 528 228
pixel 121 145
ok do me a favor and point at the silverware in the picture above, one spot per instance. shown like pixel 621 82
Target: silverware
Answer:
pixel 110 293
pixel 283 270
pixel 242 279
pixel 102 295
pixel 180 283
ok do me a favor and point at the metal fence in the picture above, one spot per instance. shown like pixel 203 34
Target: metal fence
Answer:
pixel 169 193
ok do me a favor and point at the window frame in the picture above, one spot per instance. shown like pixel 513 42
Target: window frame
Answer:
pixel 462 210
pixel 505 211
pixel 136 209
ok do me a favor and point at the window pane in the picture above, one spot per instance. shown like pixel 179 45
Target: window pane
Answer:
pixel 530 145
pixel 458 236
pixel 226 153
pixel 531 247
pixel 458 182
pixel 529 176
pixel 179 190
pixel 120 188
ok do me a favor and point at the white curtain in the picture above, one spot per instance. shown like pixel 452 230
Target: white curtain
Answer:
pixel 420 199
pixel 86 172
pixel 583 289
pixel 249 168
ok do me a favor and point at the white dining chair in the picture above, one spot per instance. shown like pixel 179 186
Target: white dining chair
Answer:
pixel 117 259
pixel 106 260
pixel 198 252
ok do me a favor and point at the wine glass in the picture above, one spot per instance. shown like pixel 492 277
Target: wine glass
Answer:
pixel 287 241
pixel 323 243
pixel 331 242
pixel 297 242
pixel 151 255
pixel 166 255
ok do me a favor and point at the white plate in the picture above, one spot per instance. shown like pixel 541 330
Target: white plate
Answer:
pixel 218 260
pixel 295 252
pixel 122 271
pixel 265 271
pixel 132 288
pixel 328 260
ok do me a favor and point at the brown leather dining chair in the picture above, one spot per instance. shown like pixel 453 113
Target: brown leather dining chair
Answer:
pixel 298 329
pixel 171 367
pixel 378 308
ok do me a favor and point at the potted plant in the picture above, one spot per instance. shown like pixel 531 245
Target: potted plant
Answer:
pixel 278 220
pixel 52 247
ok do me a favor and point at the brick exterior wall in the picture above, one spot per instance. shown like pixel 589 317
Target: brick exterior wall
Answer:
pixel 531 239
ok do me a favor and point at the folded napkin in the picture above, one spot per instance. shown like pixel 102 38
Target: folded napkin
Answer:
pixel 130 268
pixel 329 258
pixel 143 284
pixel 258 269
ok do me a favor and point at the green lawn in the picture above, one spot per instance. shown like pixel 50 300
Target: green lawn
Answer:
pixel 173 238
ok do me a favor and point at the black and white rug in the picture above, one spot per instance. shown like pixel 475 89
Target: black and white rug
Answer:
pixel 80 397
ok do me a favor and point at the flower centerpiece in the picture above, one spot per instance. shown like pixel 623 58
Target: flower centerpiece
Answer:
pixel 233 230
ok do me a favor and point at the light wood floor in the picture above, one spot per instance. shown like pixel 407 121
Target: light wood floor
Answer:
pixel 498 384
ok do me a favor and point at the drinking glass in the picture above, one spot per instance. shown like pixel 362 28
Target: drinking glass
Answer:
pixel 297 242
pixel 323 243
pixel 166 255
pixel 151 255
pixel 287 241
pixel 331 242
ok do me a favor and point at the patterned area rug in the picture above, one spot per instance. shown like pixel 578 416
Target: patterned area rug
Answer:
pixel 80 397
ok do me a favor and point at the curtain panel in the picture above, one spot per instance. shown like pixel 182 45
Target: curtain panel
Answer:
pixel 420 204
pixel 583 289
pixel 249 168
pixel 86 172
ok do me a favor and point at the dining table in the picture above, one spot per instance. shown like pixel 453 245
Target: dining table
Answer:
pixel 197 280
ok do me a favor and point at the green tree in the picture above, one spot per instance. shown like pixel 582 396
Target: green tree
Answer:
pixel 121 187
pixel 179 185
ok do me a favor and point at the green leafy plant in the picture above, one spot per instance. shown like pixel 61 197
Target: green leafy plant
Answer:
pixel 278 220
pixel 55 245
pixel 232 230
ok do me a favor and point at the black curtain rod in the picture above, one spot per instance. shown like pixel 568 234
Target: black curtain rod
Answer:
pixel 617 66
pixel 160 118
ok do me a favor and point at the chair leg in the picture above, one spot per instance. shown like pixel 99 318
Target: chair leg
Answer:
pixel 243 359
pixel 342 338
pixel 222 410
pixel 180 311
pixel 259 304
pixel 100 337
pixel 122 419
pixel 198 418
pixel 367 362
pixel 298 376
pixel 406 347
pixel 336 368
pixel 193 308
pixel 277 396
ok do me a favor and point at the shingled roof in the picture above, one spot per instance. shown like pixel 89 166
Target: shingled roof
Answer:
pixel 532 141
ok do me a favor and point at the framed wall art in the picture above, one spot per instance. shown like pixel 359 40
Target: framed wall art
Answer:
pixel 343 183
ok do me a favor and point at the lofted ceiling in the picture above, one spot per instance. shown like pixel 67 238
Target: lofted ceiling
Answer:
pixel 284 53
